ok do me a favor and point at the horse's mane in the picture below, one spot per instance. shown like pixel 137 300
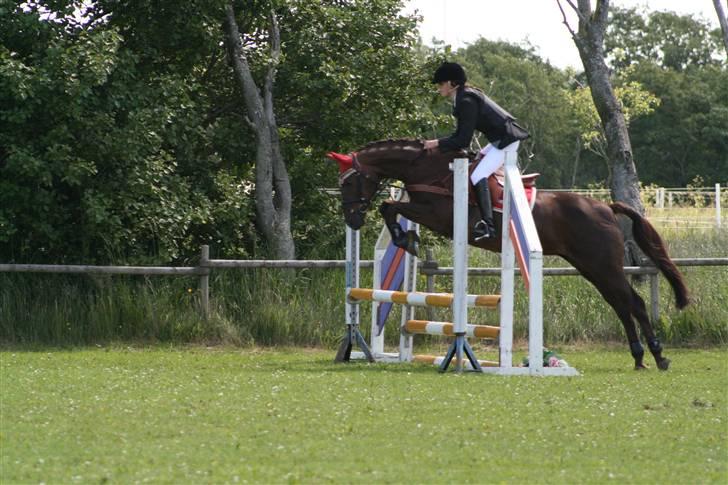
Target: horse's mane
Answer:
pixel 392 143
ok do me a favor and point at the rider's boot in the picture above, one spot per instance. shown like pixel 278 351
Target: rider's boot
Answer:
pixel 485 228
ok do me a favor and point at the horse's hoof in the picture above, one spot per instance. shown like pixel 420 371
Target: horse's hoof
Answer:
pixel 413 249
pixel 413 243
pixel 640 367
pixel 663 364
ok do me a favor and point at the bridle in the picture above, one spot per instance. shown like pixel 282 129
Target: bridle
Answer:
pixel 364 202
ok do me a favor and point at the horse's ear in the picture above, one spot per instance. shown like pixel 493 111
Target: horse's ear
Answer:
pixel 345 161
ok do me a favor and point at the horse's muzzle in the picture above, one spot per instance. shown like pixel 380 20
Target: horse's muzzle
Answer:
pixel 354 219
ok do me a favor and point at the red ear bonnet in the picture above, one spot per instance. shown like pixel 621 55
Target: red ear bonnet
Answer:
pixel 345 161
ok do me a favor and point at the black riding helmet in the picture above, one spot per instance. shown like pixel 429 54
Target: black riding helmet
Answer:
pixel 450 71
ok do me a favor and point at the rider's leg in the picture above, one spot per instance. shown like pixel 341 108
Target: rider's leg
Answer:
pixel 492 159
pixel 484 228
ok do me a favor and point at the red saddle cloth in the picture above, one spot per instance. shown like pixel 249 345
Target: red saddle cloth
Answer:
pixel 497 181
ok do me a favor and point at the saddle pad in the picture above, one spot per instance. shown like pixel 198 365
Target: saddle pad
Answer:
pixel 495 184
pixel 530 195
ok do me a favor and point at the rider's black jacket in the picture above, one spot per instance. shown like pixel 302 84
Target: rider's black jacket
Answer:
pixel 474 110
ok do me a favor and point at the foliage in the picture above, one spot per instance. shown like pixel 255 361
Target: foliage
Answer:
pixel 269 307
pixel 676 42
pixel 681 61
pixel 687 135
pixel 124 136
pixel 635 102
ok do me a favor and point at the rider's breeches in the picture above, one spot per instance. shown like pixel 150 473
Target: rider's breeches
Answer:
pixel 493 159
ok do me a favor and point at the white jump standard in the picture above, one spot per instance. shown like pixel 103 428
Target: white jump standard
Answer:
pixel 519 236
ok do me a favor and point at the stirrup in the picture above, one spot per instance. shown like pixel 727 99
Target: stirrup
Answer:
pixel 483 230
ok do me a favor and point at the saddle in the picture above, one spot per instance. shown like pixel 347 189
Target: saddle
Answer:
pixel 496 182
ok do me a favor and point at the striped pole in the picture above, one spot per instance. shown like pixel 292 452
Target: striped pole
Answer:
pixel 447 328
pixel 421 299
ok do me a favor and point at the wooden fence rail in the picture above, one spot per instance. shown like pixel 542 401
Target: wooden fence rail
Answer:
pixel 428 267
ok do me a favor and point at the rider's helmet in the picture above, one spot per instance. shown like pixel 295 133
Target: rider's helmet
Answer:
pixel 450 71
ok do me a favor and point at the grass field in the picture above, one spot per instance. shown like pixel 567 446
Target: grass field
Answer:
pixel 226 415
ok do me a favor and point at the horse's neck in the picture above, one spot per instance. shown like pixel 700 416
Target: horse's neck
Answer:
pixel 394 164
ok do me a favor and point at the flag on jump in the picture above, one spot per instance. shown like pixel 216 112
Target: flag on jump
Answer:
pixel 392 275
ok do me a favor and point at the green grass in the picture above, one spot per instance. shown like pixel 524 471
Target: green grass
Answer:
pixel 198 415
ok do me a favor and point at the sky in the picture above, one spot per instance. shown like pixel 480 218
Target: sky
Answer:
pixel 458 22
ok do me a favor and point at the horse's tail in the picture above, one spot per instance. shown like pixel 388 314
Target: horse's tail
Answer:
pixel 651 243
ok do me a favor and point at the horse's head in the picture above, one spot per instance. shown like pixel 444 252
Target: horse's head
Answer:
pixel 361 172
pixel 357 189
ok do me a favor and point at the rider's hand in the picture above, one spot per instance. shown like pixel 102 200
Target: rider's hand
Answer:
pixel 431 144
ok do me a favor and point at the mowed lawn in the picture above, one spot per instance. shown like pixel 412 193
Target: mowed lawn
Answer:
pixel 199 415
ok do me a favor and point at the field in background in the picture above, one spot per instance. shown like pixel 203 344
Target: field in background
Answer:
pixel 132 415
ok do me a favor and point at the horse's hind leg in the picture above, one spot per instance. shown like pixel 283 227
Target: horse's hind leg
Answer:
pixel 616 291
pixel 639 311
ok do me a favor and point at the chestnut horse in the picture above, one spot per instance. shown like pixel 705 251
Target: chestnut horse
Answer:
pixel 581 230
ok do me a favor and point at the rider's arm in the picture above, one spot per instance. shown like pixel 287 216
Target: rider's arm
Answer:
pixel 467 113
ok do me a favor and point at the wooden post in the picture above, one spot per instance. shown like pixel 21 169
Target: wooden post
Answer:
pixel 654 296
pixel 430 263
pixel 717 205
pixel 205 281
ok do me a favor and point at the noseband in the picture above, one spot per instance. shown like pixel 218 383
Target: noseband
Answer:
pixel 364 202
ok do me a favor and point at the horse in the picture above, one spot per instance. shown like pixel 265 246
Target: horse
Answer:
pixel 581 230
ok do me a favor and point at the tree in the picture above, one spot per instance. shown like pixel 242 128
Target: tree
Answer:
pixel 589 40
pixel 676 42
pixel 687 134
pixel 124 134
pixel 677 58
pixel 272 186
pixel 723 22
pixel 634 99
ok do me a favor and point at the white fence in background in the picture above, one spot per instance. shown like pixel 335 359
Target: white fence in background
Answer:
pixel 702 204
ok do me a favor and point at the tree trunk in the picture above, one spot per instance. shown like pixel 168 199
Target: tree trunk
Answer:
pixel 272 185
pixel 589 40
pixel 577 158
pixel 723 22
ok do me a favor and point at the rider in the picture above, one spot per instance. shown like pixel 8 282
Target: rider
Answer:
pixel 474 110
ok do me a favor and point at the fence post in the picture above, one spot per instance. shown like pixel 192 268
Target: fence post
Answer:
pixel 654 296
pixel 205 280
pixel 430 285
pixel 717 205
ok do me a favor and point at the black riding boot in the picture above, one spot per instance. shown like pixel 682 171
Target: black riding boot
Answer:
pixel 484 228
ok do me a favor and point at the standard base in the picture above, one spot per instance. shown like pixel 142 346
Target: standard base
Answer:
pixel 486 366
pixel 459 350
pixel 352 336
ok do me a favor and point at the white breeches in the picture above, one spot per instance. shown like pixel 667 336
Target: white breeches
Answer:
pixel 493 159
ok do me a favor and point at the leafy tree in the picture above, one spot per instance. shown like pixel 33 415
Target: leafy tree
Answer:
pixel 687 135
pixel 678 59
pixel 720 12
pixel 635 102
pixel 674 41
pixel 589 40
pixel 124 137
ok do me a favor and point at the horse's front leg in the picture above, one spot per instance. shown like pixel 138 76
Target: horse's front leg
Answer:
pixel 409 240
